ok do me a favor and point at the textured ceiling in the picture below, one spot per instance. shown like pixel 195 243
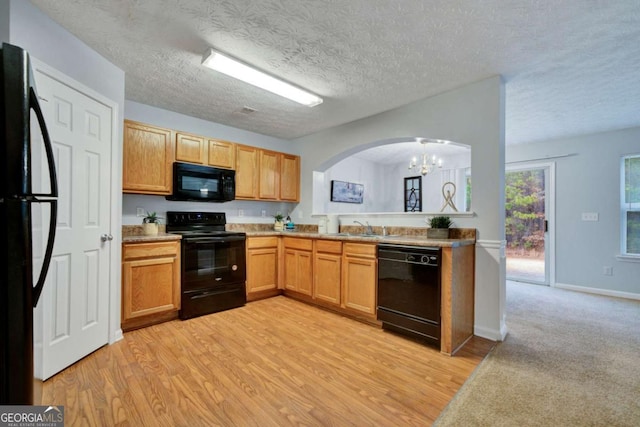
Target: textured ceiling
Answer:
pixel 401 152
pixel 570 66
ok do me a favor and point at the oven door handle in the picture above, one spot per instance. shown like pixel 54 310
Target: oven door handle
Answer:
pixel 206 240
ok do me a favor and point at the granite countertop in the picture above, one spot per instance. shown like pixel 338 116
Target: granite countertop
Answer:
pixel 140 238
pixel 398 235
pixel 394 239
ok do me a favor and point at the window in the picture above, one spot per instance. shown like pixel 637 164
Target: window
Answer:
pixel 413 194
pixel 630 205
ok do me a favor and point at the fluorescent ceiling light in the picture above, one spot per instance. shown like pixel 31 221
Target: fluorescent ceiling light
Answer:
pixel 233 68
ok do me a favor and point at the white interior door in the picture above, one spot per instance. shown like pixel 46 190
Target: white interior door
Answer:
pixel 75 300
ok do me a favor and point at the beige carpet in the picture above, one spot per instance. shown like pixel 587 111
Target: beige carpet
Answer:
pixel 570 359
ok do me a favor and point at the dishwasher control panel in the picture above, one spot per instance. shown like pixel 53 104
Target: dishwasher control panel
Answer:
pixel 410 254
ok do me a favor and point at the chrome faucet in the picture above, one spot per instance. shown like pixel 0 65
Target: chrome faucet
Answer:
pixel 369 229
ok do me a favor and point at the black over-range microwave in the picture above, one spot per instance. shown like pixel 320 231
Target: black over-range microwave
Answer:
pixel 202 183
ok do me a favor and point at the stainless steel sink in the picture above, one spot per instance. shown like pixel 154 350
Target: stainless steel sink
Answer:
pixel 366 235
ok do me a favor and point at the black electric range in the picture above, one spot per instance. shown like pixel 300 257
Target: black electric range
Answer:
pixel 213 264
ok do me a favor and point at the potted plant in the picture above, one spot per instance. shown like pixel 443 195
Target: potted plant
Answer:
pixel 278 225
pixel 439 227
pixel 150 224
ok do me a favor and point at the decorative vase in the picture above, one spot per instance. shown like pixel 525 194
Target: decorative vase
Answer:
pixel 437 233
pixel 150 229
pixel 278 225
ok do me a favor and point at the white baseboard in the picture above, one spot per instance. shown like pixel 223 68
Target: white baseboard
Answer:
pixel 597 291
pixel 490 334
pixel 117 336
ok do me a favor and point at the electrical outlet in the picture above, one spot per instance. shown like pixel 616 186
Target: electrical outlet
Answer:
pixel 300 215
pixel 607 271
pixel 263 213
pixel 240 212
pixel 140 212
pixel 589 216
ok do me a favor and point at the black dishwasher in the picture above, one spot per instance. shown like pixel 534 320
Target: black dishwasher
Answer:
pixel 409 291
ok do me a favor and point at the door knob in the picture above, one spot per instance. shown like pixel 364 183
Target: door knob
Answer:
pixel 106 237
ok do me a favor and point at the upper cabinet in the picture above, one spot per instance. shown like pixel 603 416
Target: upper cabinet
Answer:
pixel 289 177
pixel 150 151
pixel 269 169
pixel 246 172
pixel 147 158
pixel 190 148
pixel 222 153
pixel 205 151
pixel 267 175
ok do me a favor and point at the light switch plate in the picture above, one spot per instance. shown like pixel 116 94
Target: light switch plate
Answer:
pixel 590 216
pixel 140 212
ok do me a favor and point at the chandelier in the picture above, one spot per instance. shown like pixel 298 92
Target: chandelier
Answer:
pixel 428 162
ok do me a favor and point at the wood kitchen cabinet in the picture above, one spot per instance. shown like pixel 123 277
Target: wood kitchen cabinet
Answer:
pixel 298 265
pixel 289 177
pixel 269 175
pixel 246 172
pixel 266 175
pixel 327 271
pixel 222 154
pixel 190 148
pixel 150 283
pixel 147 158
pixel 205 151
pixel 262 267
pixel 359 278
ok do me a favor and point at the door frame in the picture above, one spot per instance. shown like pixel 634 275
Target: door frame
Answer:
pixel 550 214
pixel 115 194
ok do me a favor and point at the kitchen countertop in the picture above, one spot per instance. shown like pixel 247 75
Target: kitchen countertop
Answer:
pixel 397 240
pixel 133 234
pixel 140 238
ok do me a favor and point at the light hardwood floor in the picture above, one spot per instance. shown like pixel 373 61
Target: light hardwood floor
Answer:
pixel 273 362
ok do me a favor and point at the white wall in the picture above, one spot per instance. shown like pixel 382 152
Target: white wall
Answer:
pixel 4 21
pixel 358 171
pixel 50 43
pixel 472 115
pixel 588 181
pixel 251 211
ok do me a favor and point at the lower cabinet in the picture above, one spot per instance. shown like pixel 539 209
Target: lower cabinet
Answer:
pixel 298 265
pixel 359 277
pixel 327 271
pixel 150 283
pixel 262 267
pixel 338 275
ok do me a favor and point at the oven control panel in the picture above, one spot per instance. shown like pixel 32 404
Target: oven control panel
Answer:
pixel 196 218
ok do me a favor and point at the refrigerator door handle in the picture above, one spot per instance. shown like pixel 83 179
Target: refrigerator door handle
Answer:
pixel 33 103
pixel 53 219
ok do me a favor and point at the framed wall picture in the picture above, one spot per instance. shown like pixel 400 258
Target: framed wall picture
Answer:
pixel 346 192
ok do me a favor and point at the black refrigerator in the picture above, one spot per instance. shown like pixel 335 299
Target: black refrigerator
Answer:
pixel 28 191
